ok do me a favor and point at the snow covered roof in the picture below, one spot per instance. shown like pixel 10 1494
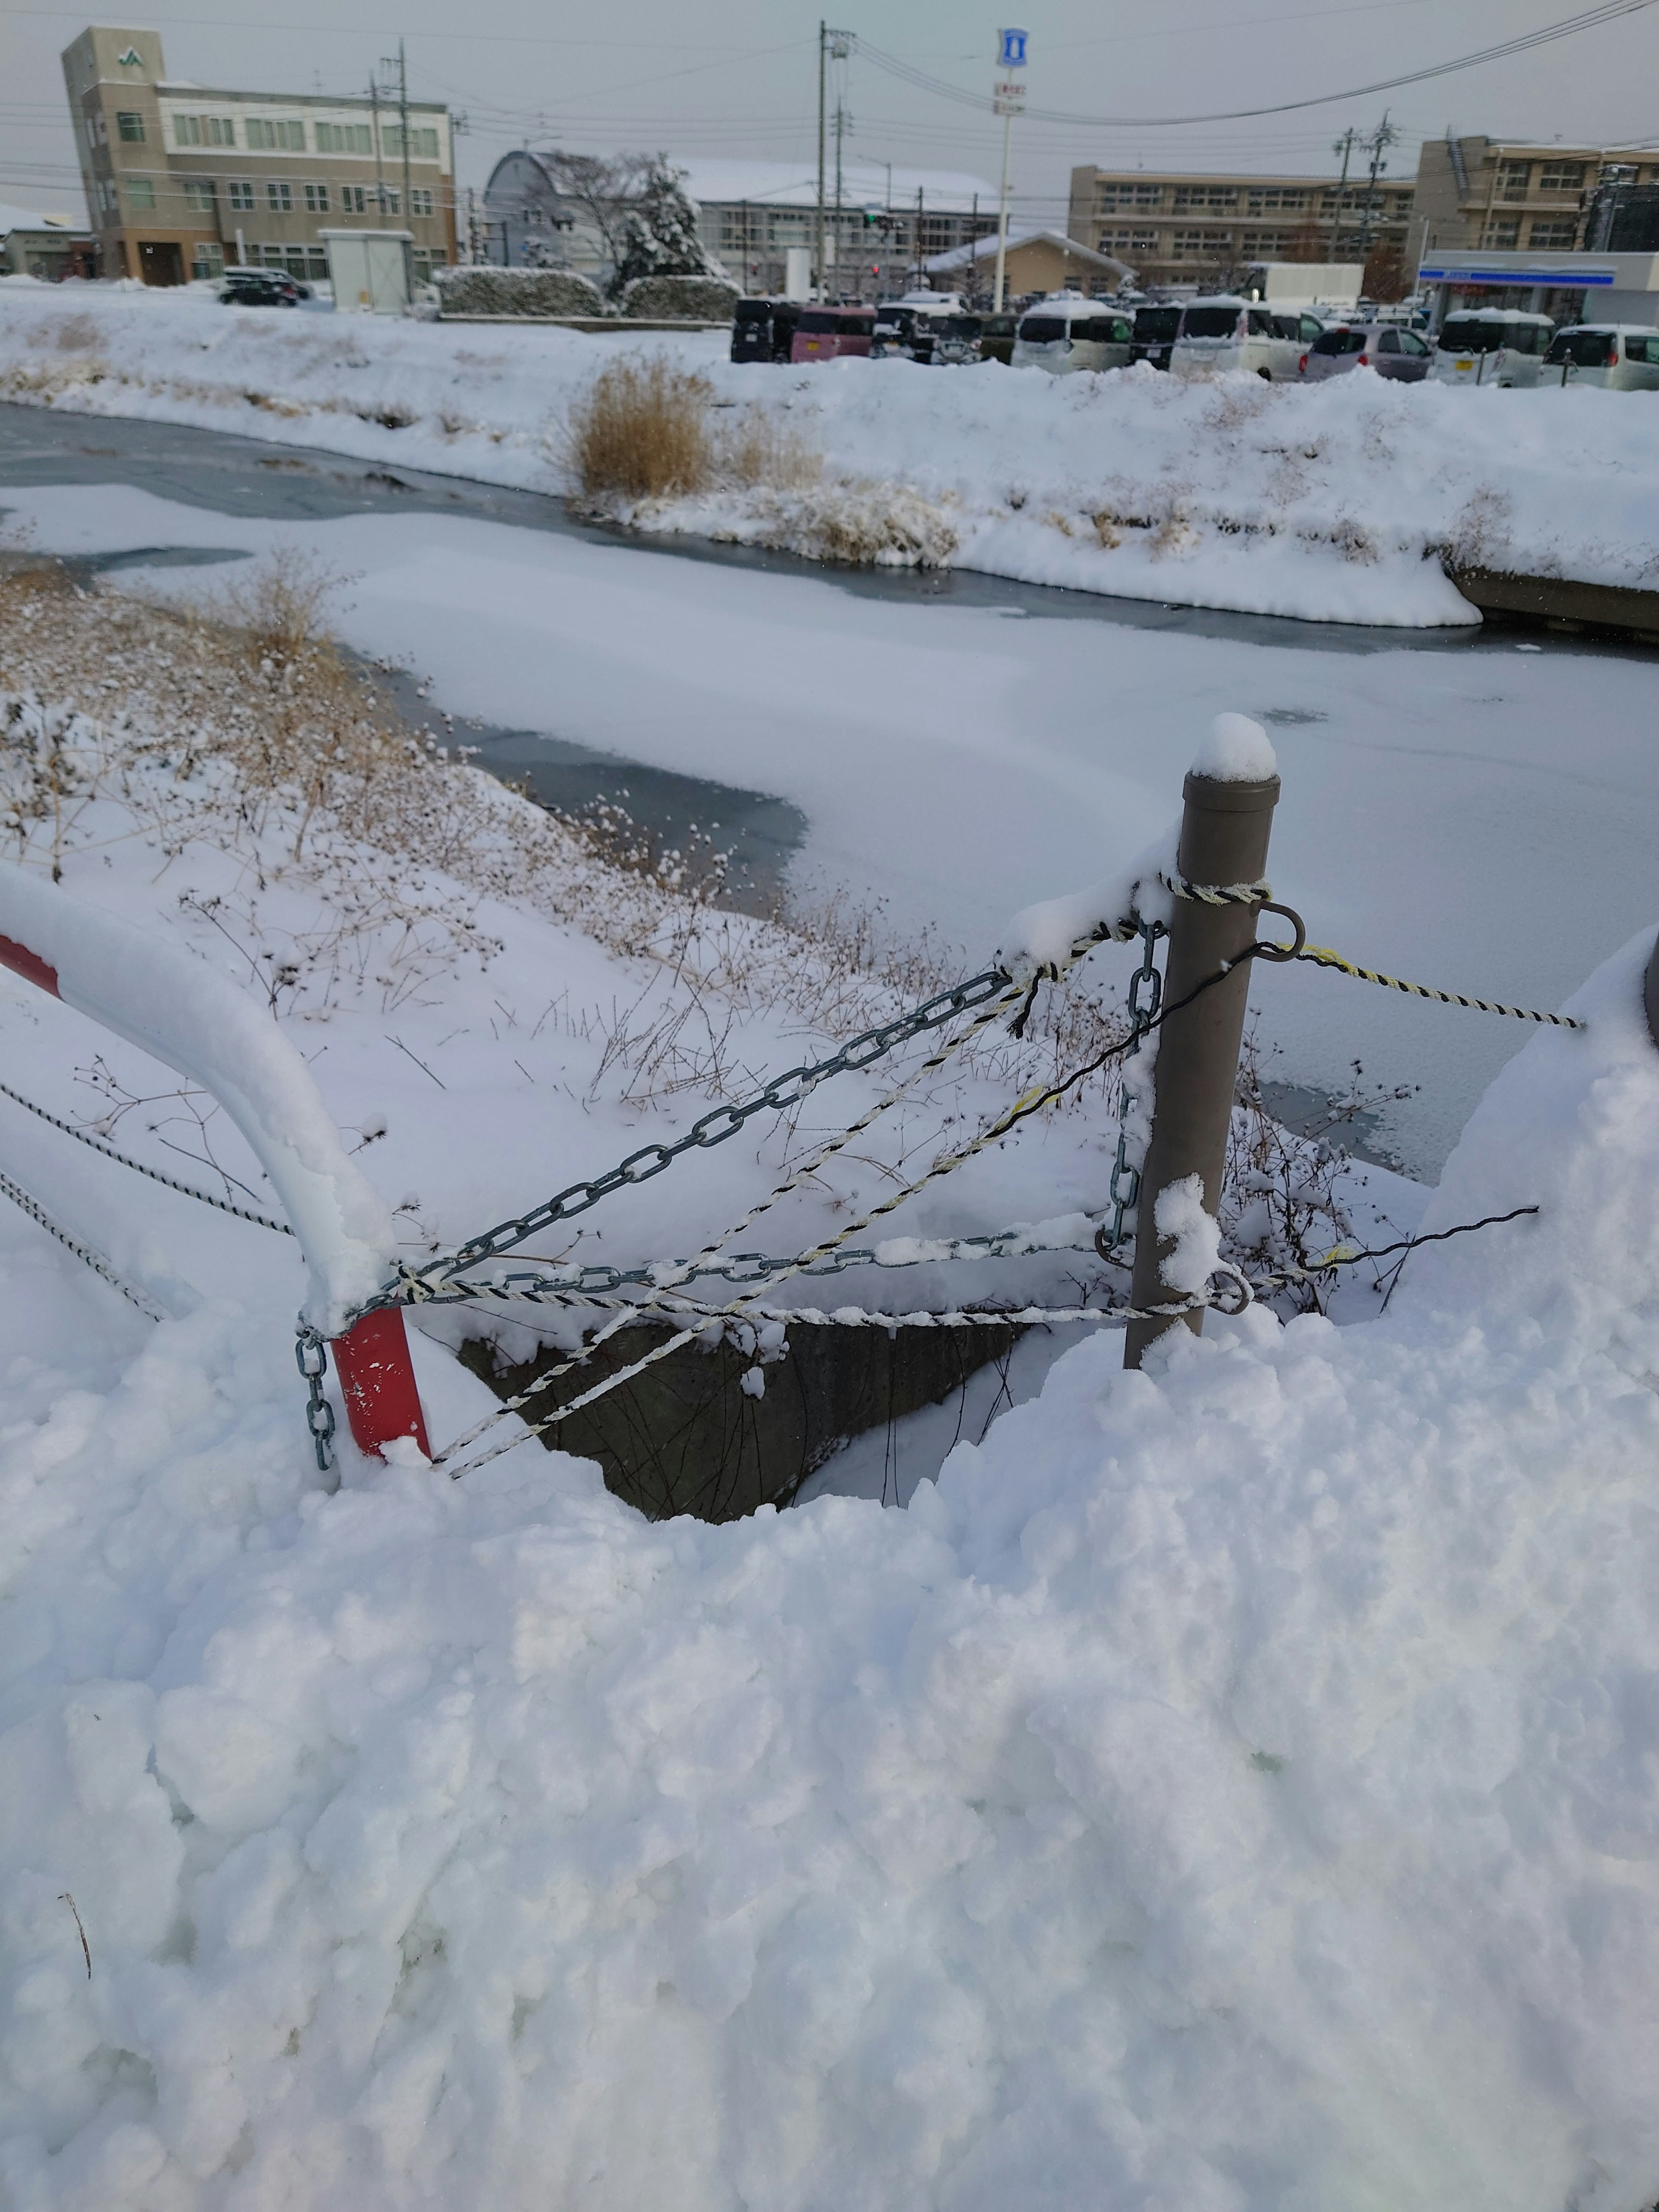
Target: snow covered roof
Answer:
pixel 16 218
pixel 784 184
pixel 984 249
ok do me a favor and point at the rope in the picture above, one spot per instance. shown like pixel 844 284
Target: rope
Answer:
pixel 85 1253
pixel 100 1145
pixel 1322 957
pixel 1256 894
pixel 1029 1103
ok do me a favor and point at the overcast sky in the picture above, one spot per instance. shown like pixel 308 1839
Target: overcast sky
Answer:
pixel 738 78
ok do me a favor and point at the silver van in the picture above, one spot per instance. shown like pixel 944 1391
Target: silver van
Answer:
pixel 1491 345
pixel 1067 332
pixel 1617 357
pixel 1227 333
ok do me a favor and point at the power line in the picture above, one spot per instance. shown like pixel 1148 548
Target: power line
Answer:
pixel 1591 18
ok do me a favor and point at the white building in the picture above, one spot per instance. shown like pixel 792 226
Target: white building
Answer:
pixel 1595 288
pixel 885 225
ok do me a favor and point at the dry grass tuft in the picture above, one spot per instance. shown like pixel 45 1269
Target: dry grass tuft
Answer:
pixel 641 431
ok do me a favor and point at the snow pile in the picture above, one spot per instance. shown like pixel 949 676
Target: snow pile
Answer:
pixel 1343 501
pixel 1233 1785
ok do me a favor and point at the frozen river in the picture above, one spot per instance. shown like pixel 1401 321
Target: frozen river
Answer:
pixel 1465 809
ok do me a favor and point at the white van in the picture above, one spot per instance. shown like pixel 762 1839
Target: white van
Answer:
pixel 1231 333
pixel 1617 357
pixel 1491 345
pixel 1065 332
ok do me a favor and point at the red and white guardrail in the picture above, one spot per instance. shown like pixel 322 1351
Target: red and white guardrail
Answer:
pixel 181 1011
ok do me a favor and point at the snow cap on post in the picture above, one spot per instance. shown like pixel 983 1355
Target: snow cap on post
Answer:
pixel 185 1013
pixel 1237 751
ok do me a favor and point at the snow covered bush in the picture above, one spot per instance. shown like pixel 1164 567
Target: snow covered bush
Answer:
pixel 683 299
pixel 482 291
pixel 660 236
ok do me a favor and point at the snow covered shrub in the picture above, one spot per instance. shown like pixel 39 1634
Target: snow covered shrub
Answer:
pixel 688 299
pixel 659 236
pixel 641 431
pixel 516 292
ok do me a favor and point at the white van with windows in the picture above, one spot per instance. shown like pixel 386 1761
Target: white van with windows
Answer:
pixel 1615 356
pixel 1491 345
pixel 1228 333
pixel 1067 332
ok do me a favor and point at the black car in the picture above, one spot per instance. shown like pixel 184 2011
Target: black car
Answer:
pixel 261 288
pixel 763 330
pixel 996 338
pixel 1155 335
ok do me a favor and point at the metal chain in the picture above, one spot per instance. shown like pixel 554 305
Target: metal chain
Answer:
pixel 787 1090
pixel 311 1355
pixel 102 1145
pixel 1321 956
pixel 1029 1103
pixel 87 1254
pixel 1124 1189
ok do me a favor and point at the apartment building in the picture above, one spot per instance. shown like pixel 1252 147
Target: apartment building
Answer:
pixel 1178 230
pixel 1507 196
pixel 182 180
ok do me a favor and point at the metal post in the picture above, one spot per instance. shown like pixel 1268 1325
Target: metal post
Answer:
pixel 1002 211
pixel 818 256
pixel 1223 840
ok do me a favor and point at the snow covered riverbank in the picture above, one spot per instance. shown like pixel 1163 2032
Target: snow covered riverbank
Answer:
pixel 1338 502
pixel 1232 1786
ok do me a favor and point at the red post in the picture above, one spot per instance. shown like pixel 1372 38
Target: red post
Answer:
pixel 377 1381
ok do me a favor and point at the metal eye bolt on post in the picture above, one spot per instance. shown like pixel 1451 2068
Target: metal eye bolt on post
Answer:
pixel 1223 840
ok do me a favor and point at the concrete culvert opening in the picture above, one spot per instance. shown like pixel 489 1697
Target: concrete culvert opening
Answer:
pixel 687 1437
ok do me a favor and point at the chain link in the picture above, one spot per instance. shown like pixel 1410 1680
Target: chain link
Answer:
pixel 1124 1189
pixel 310 1356
pixel 790 1088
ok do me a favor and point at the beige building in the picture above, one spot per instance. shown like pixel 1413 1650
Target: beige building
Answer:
pixel 1508 198
pixel 1037 261
pixel 182 180
pixel 1187 229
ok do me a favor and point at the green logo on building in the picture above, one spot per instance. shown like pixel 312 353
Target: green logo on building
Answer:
pixel 129 59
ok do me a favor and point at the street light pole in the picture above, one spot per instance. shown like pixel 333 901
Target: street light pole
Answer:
pixel 1002 212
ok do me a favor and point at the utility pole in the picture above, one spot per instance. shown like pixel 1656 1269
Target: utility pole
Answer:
pixel 824 49
pixel 1377 145
pixel 403 124
pixel 1344 146
pixel 1002 212
pixel 380 179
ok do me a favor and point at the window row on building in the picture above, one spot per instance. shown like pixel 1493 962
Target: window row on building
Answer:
pixel 1558 234
pixel 243 195
pixel 271 134
pixel 1202 199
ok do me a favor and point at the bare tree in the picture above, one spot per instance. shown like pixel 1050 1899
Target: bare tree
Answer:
pixel 603 188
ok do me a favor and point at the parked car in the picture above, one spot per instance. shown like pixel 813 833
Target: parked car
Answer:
pixel 763 330
pixel 925 327
pixel 1220 334
pixel 997 334
pixel 1617 357
pixel 1067 332
pixel 825 333
pixel 1154 335
pixel 1491 345
pixel 1390 351
pixel 262 287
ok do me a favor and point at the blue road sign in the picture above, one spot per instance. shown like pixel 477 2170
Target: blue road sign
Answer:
pixel 1011 52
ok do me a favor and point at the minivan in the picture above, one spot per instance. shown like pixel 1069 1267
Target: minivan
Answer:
pixel 925 327
pixel 1491 345
pixel 762 329
pixel 1065 332
pixel 825 333
pixel 1231 333
pixel 1617 357
pixel 1155 333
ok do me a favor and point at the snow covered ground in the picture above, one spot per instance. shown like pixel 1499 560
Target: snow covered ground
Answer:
pixel 1335 502
pixel 1481 819
pixel 1232 1786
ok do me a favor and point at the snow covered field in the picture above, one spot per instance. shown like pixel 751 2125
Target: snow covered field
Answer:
pixel 1233 1785
pixel 1335 502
